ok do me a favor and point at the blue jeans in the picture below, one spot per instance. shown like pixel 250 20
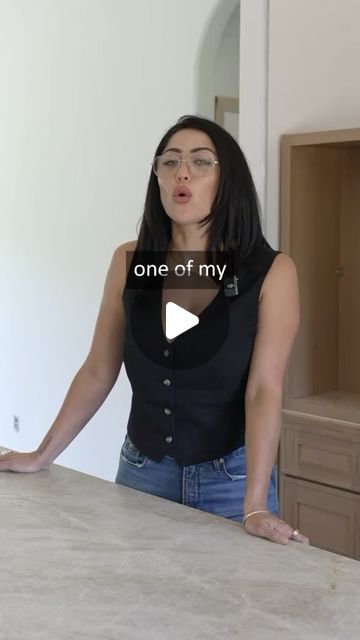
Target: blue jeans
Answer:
pixel 216 486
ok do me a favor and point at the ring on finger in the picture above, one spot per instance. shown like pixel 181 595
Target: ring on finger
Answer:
pixel 295 534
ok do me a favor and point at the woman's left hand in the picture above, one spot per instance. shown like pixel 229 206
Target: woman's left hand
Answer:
pixel 266 525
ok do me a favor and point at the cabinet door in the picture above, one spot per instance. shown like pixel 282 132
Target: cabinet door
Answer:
pixel 329 517
pixel 314 453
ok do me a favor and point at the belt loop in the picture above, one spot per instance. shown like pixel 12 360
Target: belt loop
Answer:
pixel 216 464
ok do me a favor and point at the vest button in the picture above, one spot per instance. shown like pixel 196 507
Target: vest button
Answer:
pixel 166 353
pixel 167 411
pixel 169 439
pixel 166 382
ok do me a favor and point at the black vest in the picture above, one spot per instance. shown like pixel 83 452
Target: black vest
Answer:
pixel 195 413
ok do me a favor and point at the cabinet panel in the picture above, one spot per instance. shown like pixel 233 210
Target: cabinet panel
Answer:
pixel 314 454
pixel 329 517
pixel 320 443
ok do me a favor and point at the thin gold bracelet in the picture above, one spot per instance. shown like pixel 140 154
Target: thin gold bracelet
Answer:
pixel 253 513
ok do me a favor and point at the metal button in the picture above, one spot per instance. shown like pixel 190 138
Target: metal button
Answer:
pixel 166 353
pixel 167 411
pixel 169 439
pixel 166 382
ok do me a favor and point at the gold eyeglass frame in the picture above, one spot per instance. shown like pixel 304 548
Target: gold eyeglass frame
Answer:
pixel 179 161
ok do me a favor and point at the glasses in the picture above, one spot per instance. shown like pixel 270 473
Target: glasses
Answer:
pixel 199 164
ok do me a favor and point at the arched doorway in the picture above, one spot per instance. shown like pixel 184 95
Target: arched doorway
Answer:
pixel 217 67
pixel 253 21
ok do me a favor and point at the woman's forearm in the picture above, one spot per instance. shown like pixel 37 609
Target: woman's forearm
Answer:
pixel 85 396
pixel 262 435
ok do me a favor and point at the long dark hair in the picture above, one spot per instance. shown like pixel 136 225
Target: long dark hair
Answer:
pixel 234 219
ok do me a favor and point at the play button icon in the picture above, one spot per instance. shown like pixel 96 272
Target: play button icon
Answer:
pixel 168 334
pixel 178 320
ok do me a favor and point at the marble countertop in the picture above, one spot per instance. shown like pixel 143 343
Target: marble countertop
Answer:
pixel 83 558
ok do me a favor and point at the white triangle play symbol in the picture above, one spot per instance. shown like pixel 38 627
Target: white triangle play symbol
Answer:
pixel 178 320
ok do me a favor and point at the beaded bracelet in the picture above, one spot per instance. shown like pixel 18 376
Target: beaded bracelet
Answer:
pixel 252 513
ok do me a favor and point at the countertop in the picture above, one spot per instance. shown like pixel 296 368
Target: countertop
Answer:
pixel 83 558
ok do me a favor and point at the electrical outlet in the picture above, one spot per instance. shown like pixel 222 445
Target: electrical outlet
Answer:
pixel 16 424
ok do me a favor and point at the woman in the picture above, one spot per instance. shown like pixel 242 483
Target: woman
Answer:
pixel 205 419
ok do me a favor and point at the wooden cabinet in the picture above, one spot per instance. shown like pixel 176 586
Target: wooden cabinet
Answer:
pixel 320 445
pixel 321 451
pixel 330 517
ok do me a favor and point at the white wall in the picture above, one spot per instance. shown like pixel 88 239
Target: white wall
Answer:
pixel 88 88
pixel 226 80
pixel 211 47
pixel 314 48
pixel 253 91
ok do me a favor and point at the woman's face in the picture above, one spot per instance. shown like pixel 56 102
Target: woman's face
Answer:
pixel 196 202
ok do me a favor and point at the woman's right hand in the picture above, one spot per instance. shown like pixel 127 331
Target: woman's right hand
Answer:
pixel 21 462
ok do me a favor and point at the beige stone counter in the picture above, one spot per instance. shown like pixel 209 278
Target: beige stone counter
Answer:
pixel 82 558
